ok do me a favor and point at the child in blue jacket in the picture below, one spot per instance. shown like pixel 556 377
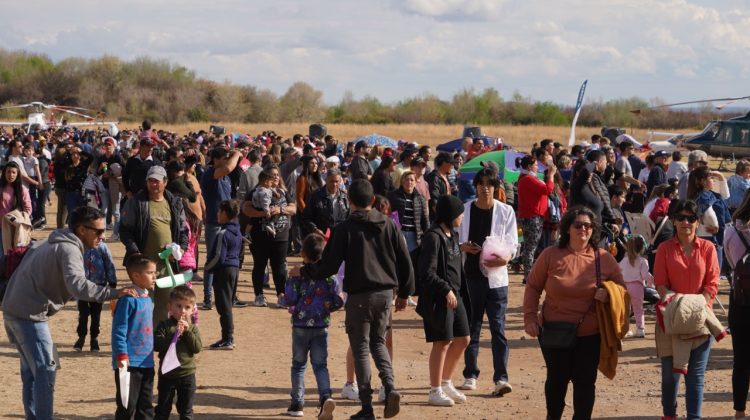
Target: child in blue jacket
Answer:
pixel 133 340
pixel 224 262
pixel 311 302
pixel 100 269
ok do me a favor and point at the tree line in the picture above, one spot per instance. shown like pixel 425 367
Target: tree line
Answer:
pixel 171 93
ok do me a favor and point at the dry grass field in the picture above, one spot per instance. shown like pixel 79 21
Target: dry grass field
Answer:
pixel 520 137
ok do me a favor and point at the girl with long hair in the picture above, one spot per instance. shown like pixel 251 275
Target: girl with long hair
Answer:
pixel 14 195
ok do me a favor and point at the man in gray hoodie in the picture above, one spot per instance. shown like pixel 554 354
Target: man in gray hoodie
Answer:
pixel 50 274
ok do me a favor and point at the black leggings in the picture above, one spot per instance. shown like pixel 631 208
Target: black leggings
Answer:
pixel 264 250
pixel 225 281
pixel 577 365
pixel 86 309
pixel 739 322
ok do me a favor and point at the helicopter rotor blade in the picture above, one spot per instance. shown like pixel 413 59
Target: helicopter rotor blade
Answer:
pixel 728 100
pixel 16 106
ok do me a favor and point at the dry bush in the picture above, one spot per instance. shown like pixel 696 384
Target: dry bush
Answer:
pixel 520 137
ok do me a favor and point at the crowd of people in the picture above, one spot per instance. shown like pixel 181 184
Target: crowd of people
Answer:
pixel 378 229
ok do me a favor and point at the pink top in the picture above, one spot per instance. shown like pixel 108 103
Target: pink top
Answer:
pixel 8 201
pixel 187 262
pixel 637 272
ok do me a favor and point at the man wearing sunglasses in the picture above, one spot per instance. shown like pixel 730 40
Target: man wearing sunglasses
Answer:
pixel 50 274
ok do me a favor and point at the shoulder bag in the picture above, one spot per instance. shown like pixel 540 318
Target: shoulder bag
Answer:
pixel 563 335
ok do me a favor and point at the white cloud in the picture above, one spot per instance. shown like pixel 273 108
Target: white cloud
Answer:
pixel 455 9
pixel 395 49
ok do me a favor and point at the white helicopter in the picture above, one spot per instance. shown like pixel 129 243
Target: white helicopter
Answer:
pixel 38 119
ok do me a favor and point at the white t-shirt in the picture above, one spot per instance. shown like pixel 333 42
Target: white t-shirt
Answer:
pixel 643 175
pixel 676 169
pixel 19 162
pixel 30 164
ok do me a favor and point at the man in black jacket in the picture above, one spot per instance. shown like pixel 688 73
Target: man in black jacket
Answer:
pixel 328 206
pixel 151 219
pixel 377 261
pixel 136 168
pixel 360 167
pixel 437 180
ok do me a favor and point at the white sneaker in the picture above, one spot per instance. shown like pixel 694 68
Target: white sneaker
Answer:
pixel 411 302
pixel 640 333
pixel 260 301
pixel 469 384
pixel 381 394
pixel 629 334
pixel 457 396
pixel 350 392
pixel 437 397
pixel 501 388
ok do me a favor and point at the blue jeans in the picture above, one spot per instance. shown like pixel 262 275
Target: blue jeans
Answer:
pixel 73 200
pixel 38 364
pixel 212 230
pixel 494 302
pixel 315 342
pixel 670 382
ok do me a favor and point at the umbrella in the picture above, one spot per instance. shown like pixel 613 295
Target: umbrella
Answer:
pixel 373 139
pixel 456 145
pixel 506 161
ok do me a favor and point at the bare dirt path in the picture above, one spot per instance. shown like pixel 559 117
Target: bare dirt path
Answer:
pixel 253 381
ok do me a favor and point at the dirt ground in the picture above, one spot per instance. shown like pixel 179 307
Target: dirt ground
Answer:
pixel 253 381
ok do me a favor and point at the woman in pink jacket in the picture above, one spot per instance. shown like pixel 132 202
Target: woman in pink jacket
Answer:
pixel 14 195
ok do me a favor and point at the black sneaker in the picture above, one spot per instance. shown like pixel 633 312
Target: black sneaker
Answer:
pixel 365 413
pixel 326 409
pixel 94 344
pixel 295 410
pixel 206 306
pixel 78 346
pixel 222 345
pixel 240 304
pixel 392 404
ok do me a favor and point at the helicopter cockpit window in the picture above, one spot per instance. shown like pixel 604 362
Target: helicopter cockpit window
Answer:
pixel 713 129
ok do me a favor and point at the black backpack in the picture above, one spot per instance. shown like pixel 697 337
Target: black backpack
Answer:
pixel 741 276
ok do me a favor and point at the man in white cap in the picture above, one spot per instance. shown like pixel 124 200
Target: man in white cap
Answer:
pixel 151 219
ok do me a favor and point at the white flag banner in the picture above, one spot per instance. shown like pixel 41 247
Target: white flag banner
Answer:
pixel 579 104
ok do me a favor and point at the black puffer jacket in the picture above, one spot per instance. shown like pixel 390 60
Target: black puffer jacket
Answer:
pixel 319 212
pixel 421 220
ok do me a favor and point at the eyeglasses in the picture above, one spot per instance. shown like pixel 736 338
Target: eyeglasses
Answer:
pixel 99 232
pixel 583 225
pixel 683 217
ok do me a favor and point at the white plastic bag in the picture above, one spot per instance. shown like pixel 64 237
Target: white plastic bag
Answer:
pixel 124 384
pixel 493 247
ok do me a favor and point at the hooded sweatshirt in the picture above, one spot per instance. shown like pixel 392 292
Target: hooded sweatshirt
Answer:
pixel 226 249
pixel 375 253
pixel 50 274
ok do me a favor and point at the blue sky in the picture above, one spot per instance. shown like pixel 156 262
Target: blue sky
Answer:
pixel 674 49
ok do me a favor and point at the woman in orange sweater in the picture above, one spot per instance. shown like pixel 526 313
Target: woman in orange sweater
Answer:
pixel 567 274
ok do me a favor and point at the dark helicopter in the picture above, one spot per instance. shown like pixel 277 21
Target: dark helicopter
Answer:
pixel 720 138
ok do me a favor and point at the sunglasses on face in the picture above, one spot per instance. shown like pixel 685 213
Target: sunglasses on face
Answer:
pixel 583 225
pixel 689 217
pixel 99 232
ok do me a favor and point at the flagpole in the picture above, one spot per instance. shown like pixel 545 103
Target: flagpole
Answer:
pixel 579 104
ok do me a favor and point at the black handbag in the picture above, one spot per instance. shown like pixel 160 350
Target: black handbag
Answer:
pixel 562 335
